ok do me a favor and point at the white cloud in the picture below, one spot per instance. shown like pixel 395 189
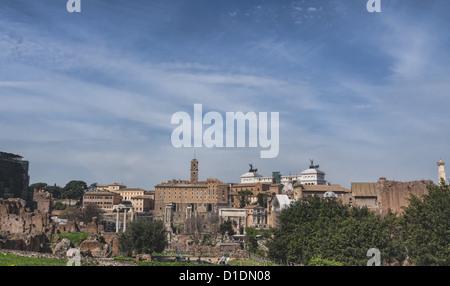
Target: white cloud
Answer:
pixel 104 115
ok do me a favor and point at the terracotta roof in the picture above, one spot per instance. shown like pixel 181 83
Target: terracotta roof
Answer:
pixel 101 193
pixel 143 197
pixel 249 184
pixel 130 190
pixel 364 189
pixel 324 188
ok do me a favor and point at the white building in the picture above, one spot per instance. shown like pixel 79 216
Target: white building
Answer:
pixel 310 176
pixel 253 177
pixel 281 202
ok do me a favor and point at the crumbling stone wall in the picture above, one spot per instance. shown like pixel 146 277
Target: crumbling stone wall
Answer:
pixel 92 247
pixel 42 202
pixel 26 223
pixel 12 206
pixel 27 242
pixel 112 239
pixel 22 230
pixel 394 195
pixel 183 244
pixel 69 226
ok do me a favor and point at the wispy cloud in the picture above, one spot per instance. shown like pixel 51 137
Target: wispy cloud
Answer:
pixel 84 96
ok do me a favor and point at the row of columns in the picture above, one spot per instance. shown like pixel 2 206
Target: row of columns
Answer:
pixel 125 211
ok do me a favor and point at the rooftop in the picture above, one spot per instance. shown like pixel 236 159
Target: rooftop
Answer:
pixel 364 189
pixel 322 188
pixel 101 193
pixel 251 175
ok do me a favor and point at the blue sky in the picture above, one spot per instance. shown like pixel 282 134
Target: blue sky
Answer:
pixel 90 95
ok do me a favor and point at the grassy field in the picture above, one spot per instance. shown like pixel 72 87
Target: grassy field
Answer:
pixel 248 262
pixel 75 237
pixel 7 259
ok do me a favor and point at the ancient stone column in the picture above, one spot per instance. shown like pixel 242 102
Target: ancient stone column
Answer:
pixel 117 220
pixel 125 220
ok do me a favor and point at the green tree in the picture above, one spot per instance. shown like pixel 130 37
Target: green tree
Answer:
pixel 262 199
pixel 74 190
pixel 319 261
pixel 59 206
pixel 426 227
pixel 252 243
pixel 88 212
pixel 92 187
pixel 314 227
pixel 244 197
pixel 226 228
pixel 143 237
pixel 395 252
pixel 37 186
pixel 55 191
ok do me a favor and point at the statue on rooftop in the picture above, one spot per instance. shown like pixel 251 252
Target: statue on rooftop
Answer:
pixel 251 169
pixel 312 166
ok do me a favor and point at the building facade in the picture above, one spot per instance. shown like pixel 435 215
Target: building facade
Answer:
pixel 257 216
pixel 386 195
pixel 310 176
pixel 301 191
pixel 142 201
pixel 111 187
pixel 105 200
pixel 187 198
pixel 14 178
pixel 254 188
pixel 275 206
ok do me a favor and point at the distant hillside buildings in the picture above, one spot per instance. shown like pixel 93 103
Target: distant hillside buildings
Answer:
pixel 248 203
pixel 107 196
pixel 255 201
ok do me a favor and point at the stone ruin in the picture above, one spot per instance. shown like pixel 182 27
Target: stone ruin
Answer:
pixel 183 244
pixel 31 230
pixel 21 229
pixel 95 246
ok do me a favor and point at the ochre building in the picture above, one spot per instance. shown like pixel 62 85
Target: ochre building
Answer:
pixel 188 197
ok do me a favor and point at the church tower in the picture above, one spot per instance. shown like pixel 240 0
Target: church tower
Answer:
pixel 441 169
pixel 194 171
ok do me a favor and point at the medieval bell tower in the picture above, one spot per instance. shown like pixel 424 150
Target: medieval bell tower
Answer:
pixel 194 171
pixel 441 170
